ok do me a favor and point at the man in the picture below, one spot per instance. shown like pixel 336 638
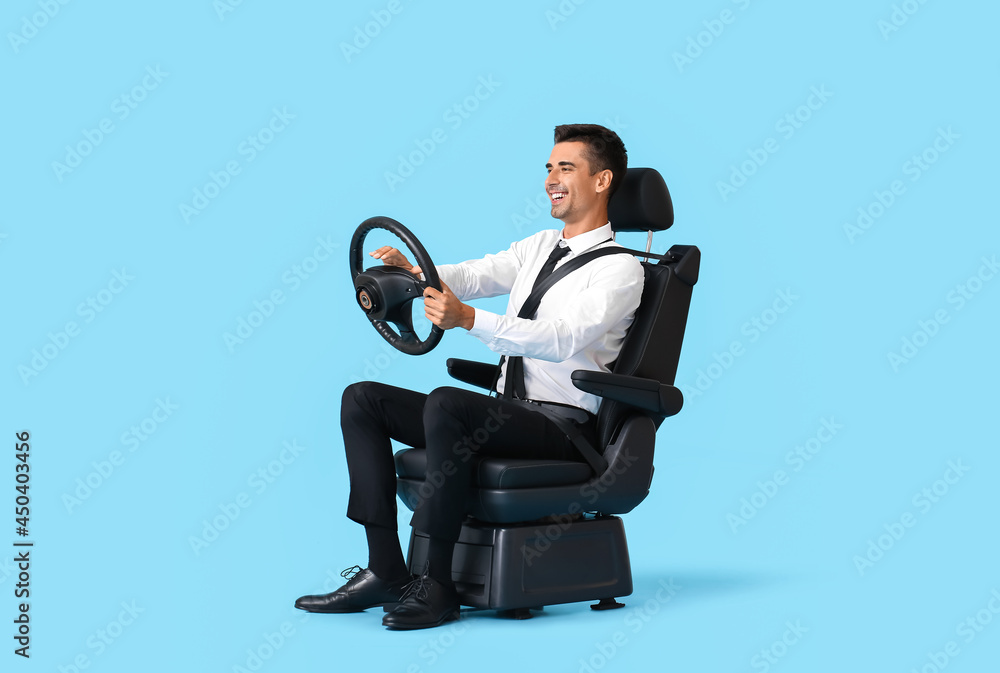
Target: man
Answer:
pixel 580 324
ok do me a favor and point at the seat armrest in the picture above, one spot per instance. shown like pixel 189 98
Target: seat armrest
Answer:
pixel 646 394
pixel 480 374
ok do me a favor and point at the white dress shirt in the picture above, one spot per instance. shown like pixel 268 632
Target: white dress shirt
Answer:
pixel 580 323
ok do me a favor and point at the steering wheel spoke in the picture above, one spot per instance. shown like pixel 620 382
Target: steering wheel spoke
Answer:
pixel 402 318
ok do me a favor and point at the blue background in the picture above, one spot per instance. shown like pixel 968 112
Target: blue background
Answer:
pixel 349 116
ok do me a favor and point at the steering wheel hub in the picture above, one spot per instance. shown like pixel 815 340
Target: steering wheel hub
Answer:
pixel 365 300
pixel 367 296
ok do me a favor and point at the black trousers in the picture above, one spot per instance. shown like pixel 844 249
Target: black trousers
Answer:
pixel 455 426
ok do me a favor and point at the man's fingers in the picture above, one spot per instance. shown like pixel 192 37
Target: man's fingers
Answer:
pixel 391 256
pixel 437 294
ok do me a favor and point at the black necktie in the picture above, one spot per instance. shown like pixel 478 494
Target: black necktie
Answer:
pixel 557 253
pixel 514 378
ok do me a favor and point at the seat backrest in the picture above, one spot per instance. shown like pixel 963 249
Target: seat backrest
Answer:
pixel 652 346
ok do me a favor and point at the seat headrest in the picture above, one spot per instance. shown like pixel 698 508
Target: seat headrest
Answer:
pixel 642 202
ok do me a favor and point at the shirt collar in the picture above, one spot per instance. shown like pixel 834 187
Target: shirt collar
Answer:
pixel 583 242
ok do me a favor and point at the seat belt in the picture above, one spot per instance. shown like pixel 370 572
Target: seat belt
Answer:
pixel 573 433
pixel 530 305
pixel 515 365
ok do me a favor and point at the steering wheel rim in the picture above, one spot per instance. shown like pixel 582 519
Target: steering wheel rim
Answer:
pixel 385 293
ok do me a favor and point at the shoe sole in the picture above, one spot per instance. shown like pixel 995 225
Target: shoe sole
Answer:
pixel 449 617
pixel 385 606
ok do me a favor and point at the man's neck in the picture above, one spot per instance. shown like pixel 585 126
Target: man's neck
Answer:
pixel 594 221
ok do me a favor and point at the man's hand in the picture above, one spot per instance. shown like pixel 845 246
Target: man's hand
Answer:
pixel 392 257
pixel 446 311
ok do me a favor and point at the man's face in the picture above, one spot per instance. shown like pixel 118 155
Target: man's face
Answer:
pixel 573 191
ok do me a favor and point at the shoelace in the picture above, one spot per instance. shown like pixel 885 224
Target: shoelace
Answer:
pixel 416 587
pixel 349 573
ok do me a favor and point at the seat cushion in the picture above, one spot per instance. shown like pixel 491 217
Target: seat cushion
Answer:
pixel 503 473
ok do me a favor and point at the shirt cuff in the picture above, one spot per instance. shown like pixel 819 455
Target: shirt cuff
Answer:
pixel 485 326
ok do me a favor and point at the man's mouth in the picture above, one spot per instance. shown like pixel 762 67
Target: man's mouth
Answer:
pixel 557 197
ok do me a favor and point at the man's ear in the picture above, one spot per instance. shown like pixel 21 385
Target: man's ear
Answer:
pixel 604 180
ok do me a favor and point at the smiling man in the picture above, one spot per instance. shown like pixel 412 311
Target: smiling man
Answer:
pixel 579 324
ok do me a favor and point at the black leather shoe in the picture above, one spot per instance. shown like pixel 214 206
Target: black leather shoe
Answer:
pixel 426 603
pixel 364 589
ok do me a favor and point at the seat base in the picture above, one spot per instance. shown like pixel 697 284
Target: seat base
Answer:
pixel 528 565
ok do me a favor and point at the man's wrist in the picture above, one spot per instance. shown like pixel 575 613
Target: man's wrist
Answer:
pixel 468 317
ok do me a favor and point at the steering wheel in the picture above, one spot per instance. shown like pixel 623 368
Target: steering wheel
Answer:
pixel 386 293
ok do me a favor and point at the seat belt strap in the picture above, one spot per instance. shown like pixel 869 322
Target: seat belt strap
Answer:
pixel 573 433
pixel 530 305
pixel 515 365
